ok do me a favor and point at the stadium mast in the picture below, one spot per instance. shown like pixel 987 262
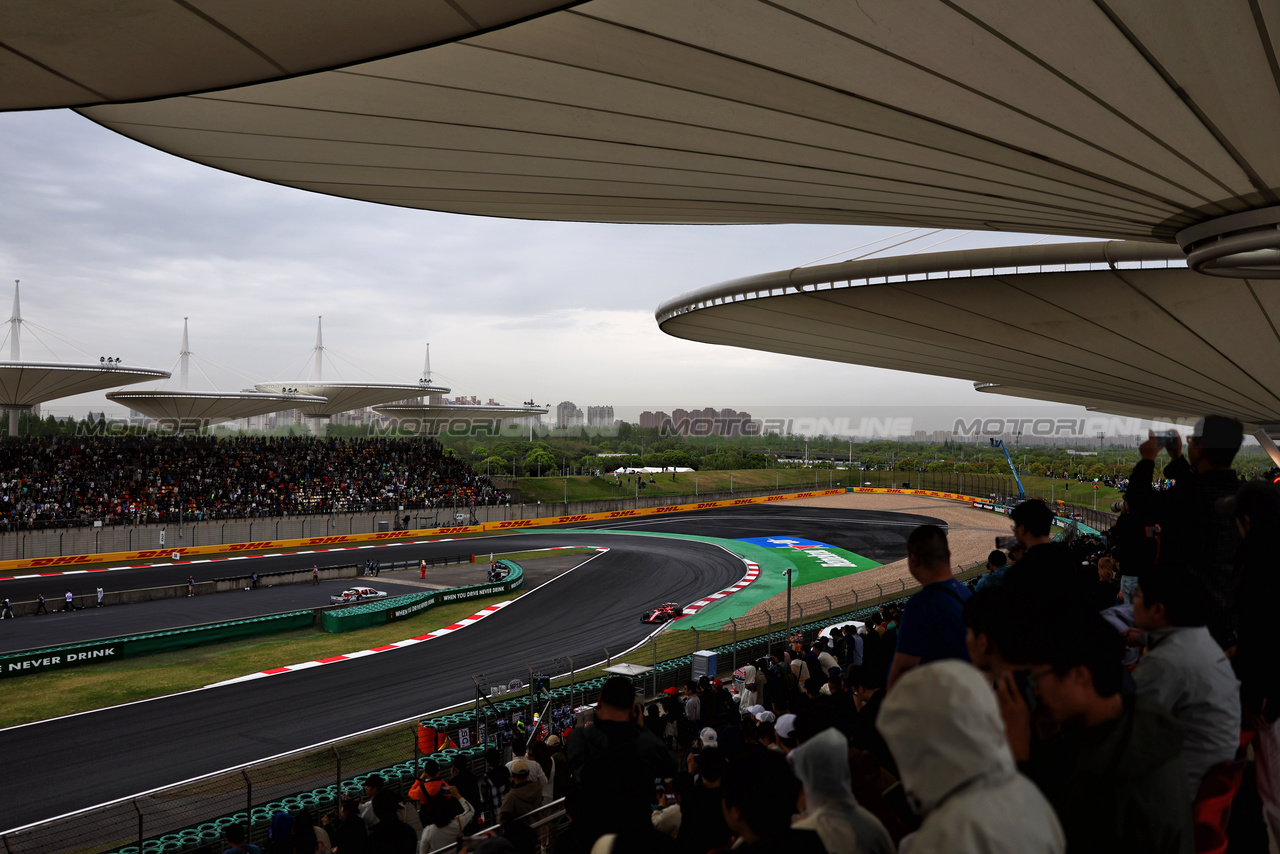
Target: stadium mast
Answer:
pixel 15 325
pixel 319 347
pixel 184 359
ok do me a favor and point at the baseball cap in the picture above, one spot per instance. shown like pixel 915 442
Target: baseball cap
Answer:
pixel 709 737
pixel 785 726
pixel 553 740
pixel 765 716
pixel 519 768
pixel 671 692
pixel 1219 431
pixel 755 710
pixel 716 683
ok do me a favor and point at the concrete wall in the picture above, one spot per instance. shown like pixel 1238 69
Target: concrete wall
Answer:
pixel 19 545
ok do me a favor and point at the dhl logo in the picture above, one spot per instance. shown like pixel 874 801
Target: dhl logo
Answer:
pixel 461 530
pixel 706 504
pixel 571 519
pixel 617 514
pixel 320 541
pixel 238 547
pixel 675 508
pixel 898 491
pixel 776 498
pixel 739 501
pixel 62 561
pixel 519 523
pixel 387 535
pixel 159 553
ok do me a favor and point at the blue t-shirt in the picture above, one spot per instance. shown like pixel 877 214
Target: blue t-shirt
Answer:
pixel 933 623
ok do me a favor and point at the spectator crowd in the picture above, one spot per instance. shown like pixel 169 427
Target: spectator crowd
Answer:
pixel 1083 697
pixel 59 481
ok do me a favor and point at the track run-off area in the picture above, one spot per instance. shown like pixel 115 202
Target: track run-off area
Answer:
pixel 79 761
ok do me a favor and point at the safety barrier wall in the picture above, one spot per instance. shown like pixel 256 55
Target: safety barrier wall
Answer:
pixel 381 611
pixel 32 544
pixel 30 661
pixel 184 552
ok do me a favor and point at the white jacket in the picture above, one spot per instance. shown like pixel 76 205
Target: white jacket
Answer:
pixel 822 764
pixel 943 727
pixel 434 838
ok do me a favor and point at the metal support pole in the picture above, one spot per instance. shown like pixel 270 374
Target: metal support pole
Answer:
pixel 531 700
pixel 248 808
pixel 337 781
pixel 572 681
pixel 734 623
pixel 881 589
pixel 136 808
pixel 787 639
pixel 830 608
pixel 655 667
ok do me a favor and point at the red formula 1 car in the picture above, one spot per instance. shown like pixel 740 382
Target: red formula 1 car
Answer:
pixel 664 612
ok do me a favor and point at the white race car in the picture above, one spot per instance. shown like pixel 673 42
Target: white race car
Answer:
pixel 357 594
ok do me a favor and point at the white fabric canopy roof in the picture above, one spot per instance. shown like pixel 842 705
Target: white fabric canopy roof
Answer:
pixel 432 418
pixel 1124 328
pixel 25 384
pixel 345 396
pixel 1123 120
pixel 184 409
pixel 69 52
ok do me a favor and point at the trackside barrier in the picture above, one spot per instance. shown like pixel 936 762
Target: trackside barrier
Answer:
pixel 26 662
pixel 379 612
pixel 182 553
pixel 30 661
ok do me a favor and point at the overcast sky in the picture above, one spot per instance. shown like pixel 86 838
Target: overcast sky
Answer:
pixel 115 243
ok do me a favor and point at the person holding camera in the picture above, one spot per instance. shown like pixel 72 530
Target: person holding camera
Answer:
pixel 1195 524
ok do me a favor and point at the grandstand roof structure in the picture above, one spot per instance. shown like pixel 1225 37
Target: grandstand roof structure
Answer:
pixel 1085 119
pixel 58 55
pixel 432 418
pixel 24 384
pixel 1123 327
pixel 339 396
pixel 187 410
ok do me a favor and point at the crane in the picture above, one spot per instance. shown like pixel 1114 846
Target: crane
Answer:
pixel 999 443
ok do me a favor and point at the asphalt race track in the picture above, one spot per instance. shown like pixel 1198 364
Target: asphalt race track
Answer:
pixel 83 760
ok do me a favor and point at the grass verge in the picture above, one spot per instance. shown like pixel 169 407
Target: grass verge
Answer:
pixel 63 692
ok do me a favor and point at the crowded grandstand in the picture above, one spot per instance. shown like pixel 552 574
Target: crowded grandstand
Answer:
pixel 59 481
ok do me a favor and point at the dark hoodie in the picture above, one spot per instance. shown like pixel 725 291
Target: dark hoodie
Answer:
pixel 1125 787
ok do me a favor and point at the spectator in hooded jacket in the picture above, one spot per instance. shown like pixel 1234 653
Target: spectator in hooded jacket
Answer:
pixel 945 730
pixel 843 825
